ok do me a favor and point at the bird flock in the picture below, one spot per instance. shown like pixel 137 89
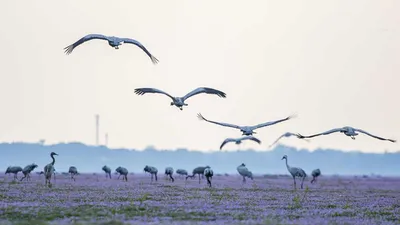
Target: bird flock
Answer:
pixel 180 102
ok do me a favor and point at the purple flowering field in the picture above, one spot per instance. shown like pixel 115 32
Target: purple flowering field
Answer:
pixel 93 199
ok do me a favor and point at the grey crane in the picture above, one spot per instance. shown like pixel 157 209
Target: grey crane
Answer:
pixel 208 173
pixel 287 134
pixel 27 171
pixel 73 171
pixel 239 140
pixel 246 130
pixel 114 42
pixel 107 170
pixel 49 169
pixel 198 170
pixel 122 171
pixel 182 172
pixel 180 101
pixel 15 170
pixel 315 173
pixel 152 170
pixel 244 172
pixel 295 172
pixel 348 131
pixel 169 171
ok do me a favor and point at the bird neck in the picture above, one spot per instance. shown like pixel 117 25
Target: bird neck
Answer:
pixel 287 166
pixel 54 160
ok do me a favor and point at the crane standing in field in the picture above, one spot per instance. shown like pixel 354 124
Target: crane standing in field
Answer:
pixel 198 170
pixel 348 131
pixel 246 130
pixel 315 173
pixel 152 170
pixel 27 171
pixel 244 172
pixel 180 101
pixel 49 169
pixel 114 42
pixel 295 172
pixel 169 171
pixel 73 171
pixel 208 173
pixel 182 172
pixel 15 170
pixel 107 170
pixel 122 171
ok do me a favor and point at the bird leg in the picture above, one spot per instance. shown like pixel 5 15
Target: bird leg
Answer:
pixel 170 175
pixel 294 181
pixel 244 180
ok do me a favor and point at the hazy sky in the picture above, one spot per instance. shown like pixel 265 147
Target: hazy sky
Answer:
pixel 333 63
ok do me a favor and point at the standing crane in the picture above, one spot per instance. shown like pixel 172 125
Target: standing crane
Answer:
pixel 208 173
pixel 27 170
pixel 49 169
pixel 15 170
pixel 295 172
pixel 315 173
pixel 152 170
pixel 169 171
pixel 198 170
pixel 73 171
pixel 107 170
pixel 244 172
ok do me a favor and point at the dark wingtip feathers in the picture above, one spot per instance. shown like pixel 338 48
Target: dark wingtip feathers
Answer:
pixel 139 91
pixel 154 59
pixel 68 49
pixel 201 117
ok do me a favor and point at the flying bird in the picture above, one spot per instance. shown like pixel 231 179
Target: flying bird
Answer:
pixel 239 140
pixel 348 131
pixel 246 130
pixel 180 101
pixel 114 42
pixel 287 134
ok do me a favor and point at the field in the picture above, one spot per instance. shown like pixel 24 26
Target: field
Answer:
pixel 92 199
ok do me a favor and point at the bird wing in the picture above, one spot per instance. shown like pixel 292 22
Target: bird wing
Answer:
pixel 272 122
pixel 252 138
pixel 283 135
pixel 377 137
pixel 137 43
pixel 142 91
pixel 88 37
pixel 226 141
pixel 323 133
pixel 201 117
pixel 204 90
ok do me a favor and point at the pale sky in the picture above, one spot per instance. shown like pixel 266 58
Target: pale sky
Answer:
pixel 333 63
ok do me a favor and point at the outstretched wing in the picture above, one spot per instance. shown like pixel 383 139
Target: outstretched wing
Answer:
pixel 287 134
pixel 204 90
pixel 272 122
pixel 377 137
pixel 201 117
pixel 142 91
pixel 88 37
pixel 226 141
pixel 323 133
pixel 252 138
pixel 137 43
